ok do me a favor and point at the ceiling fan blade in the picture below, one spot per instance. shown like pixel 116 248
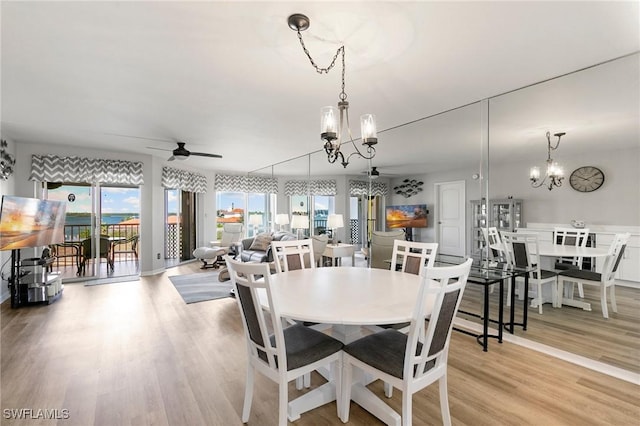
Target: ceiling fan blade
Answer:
pixel 204 154
pixel 159 149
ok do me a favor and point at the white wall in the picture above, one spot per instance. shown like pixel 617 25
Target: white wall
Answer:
pixel 617 202
pixel 151 193
pixel 428 197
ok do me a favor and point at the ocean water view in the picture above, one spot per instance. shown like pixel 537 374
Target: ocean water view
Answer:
pixel 107 218
pixel 77 224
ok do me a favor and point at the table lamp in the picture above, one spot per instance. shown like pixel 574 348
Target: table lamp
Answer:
pixel 256 221
pixel 299 222
pixel 334 221
pixel 282 219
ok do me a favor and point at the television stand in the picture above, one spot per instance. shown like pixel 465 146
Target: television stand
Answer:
pixel 31 283
pixel 408 234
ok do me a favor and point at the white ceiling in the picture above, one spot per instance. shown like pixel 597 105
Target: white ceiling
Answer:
pixel 231 78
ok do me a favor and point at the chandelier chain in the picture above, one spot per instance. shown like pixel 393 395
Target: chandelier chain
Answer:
pixel 321 70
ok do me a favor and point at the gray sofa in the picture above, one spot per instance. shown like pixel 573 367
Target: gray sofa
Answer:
pixel 252 255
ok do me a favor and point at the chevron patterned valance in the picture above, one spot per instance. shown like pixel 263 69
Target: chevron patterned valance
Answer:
pixel 361 187
pixel 183 180
pixel 313 187
pixel 248 184
pixel 51 168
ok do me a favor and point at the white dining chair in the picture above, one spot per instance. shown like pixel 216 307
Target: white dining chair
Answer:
pixel 605 279
pixel 522 250
pixel 292 255
pixel 413 361
pixel 570 237
pixel 287 353
pixel 411 257
pixel 494 242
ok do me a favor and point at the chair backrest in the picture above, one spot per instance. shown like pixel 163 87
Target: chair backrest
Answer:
pixel 522 250
pixel 413 256
pixel 249 279
pixel 428 349
pixel 612 261
pixel 290 255
pixel 571 237
pixel 493 240
pixel 382 247
pixel 319 244
pixel 231 233
pixel 87 248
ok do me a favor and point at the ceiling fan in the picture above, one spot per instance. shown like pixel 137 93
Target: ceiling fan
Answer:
pixel 373 173
pixel 182 153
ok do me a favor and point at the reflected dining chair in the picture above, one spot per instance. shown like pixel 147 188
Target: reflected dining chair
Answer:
pixel 287 353
pixel 570 237
pixel 522 250
pixel 605 279
pixel 413 361
pixel 494 242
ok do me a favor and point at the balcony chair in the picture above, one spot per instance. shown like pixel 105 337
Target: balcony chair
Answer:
pixel 129 246
pixel 605 279
pixel 411 362
pixel 105 252
pixel 286 354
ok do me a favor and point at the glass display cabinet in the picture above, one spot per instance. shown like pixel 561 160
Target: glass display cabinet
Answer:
pixel 506 215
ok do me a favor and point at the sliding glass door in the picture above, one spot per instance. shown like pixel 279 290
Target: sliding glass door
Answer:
pixel 102 230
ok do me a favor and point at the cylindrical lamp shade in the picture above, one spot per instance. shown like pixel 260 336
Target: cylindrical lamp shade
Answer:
pixel 368 129
pixel 329 123
pixel 255 219
pixel 335 221
pixel 534 174
pixel 282 219
pixel 299 221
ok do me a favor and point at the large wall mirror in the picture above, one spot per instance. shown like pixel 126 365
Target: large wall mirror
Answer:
pixel 489 147
pixel 599 109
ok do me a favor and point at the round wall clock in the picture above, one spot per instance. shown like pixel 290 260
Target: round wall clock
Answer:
pixel 586 179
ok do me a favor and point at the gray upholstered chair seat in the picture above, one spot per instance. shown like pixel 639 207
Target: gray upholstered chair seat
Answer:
pixel 581 274
pixel 545 274
pixel 305 345
pixel 384 351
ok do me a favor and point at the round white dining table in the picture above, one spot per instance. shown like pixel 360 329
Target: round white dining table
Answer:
pixel 347 298
pixel 549 249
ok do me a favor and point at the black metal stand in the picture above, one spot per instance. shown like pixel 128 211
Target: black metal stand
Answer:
pixel 13 280
pixel 408 234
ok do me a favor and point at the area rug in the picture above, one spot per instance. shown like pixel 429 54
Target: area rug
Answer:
pixel 201 286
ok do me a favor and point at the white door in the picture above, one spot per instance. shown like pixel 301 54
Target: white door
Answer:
pixel 450 222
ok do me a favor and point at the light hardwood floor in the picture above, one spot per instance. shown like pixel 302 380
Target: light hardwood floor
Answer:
pixel 136 354
pixel 614 341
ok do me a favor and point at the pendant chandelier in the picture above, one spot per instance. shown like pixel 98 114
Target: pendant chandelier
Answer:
pixel 555 174
pixel 334 121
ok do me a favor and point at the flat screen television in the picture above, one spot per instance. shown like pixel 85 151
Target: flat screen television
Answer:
pixel 30 222
pixel 408 216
